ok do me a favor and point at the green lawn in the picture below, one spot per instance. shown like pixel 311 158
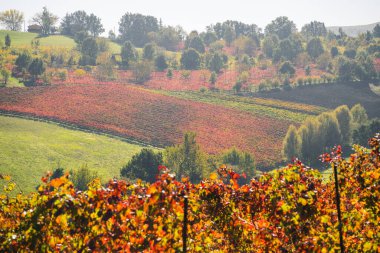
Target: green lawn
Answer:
pixel 29 148
pixel 23 39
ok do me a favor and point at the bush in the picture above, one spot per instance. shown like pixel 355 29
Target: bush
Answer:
pixel 143 165
pixel 287 68
pixel 80 73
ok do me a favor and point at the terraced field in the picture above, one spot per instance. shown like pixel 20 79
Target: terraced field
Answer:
pixel 158 119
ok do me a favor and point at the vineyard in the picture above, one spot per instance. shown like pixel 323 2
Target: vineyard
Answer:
pixel 289 210
pixel 158 119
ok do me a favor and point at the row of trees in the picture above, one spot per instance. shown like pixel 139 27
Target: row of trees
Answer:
pixel 187 160
pixel 318 135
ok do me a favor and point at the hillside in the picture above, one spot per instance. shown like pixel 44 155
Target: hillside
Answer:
pixel 30 148
pixel 157 119
pixel 23 39
pixel 354 30
pixel 331 96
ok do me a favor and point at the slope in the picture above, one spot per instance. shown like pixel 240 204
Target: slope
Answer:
pixel 30 148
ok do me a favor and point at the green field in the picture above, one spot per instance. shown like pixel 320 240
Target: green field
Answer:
pixel 23 39
pixel 29 148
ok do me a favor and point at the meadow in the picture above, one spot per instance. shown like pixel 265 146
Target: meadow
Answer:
pixel 28 149
pixel 23 39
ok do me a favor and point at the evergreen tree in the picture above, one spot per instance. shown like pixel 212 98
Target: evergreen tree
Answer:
pixel 7 41
pixel 143 165
pixel 187 159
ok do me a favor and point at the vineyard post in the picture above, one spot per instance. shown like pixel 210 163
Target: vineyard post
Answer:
pixel 337 196
pixel 184 230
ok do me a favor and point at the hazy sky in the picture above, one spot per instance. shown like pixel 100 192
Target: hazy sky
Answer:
pixel 197 14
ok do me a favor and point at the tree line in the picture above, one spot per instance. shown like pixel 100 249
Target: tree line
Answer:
pixel 318 135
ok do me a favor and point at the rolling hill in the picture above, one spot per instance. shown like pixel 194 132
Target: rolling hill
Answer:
pixel 354 30
pixel 23 39
pixel 28 149
pixel 158 119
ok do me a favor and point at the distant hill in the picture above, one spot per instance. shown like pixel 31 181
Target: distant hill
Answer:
pixel 354 30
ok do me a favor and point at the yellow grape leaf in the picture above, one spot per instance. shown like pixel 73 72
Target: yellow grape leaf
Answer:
pixel 302 201
pixel 325 219
pixel 367 246
pixel 213 176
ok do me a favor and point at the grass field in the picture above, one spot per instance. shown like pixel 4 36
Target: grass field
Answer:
pixel 23 39
pixel 29 148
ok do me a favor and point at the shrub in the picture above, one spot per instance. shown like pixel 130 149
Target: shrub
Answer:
pixel 80 73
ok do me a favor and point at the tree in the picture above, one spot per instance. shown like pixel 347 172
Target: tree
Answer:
pixel 23 61
pixel 213 78
pixel 94 25
pixel 142 71
pixel 149 51
pixel 160 62
pixel 310 147
pixel 36 68
pixel 365 131
pixel 74 23
pixel 282 27
pixel 334 52
pixel 89 52
pixel 345 69
pixel 169 38
pixel 128 53
pixel 187 159
pixel 46 20
pixel 315 48
pixel 7 41
pixel 359 115
pixel 190 59
pixel 104 69
pixel 143 165
pixel 136 27
pixel 291 144
pixel 287 68
pixel 376 31
pixel 6 74
pixel 197 43
pixel 344 117
pixel 209 37
pixel 329 133
pixel 314 29
pixel 215 63
pixel 245 45
pixel 229 35
pixel 268 45
pixel 12 19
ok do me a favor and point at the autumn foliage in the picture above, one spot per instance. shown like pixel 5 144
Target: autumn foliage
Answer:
pixel 289 210
pixel 157 119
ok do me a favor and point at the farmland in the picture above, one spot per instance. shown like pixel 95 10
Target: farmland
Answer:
pixel 28 149
pixel 157 119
